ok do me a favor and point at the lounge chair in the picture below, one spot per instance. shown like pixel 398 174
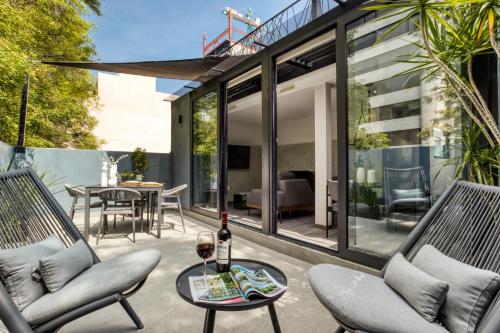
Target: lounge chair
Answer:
pixel 30 214
pixel 463 224
pixel 405 189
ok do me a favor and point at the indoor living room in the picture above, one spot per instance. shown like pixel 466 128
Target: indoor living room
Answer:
pixel 306 144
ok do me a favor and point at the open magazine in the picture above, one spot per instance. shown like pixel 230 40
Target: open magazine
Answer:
pixel 237 285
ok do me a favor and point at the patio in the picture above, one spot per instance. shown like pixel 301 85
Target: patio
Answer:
pixel 162 310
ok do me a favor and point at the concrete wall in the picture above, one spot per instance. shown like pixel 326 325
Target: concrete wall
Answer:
pixel 131 113
pixel 6 153
pixel 79 167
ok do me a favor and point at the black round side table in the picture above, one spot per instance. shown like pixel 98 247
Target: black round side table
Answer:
pixel 182 284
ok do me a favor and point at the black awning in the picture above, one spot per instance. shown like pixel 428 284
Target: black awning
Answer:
pixel 199 69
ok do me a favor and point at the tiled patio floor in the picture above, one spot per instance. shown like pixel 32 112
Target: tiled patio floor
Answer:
pixel 162 310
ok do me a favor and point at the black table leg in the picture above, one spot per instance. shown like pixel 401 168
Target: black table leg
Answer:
pixel 274 318
pixel 209 321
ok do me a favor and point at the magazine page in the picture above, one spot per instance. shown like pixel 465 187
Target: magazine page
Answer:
pixel 218 289
pixel 256 282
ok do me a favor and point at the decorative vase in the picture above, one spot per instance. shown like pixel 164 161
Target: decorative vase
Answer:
pixel 370 176
pixel 360 175
pixel 112 178
pixel 104 173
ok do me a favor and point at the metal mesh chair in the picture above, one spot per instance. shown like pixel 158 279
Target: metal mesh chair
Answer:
pixel 29 214
pixel 118 201
pixel 173 193
pixel 464 224
pixel 405 188
pixel 77 192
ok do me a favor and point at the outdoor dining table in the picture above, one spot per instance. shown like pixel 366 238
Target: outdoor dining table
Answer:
pixel 149 189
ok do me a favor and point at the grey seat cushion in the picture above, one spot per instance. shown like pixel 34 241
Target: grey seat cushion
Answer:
pixel 103 279
pixel 422 291
pixel 17 266
pixel 64 265
pixel 364 302
pixel 471 289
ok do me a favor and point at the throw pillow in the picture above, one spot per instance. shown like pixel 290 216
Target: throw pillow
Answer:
pixel 423 292
pixel 471 289
pixel 59 268
pixel 17 266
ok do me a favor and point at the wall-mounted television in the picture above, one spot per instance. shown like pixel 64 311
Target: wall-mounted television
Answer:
pixel 238 157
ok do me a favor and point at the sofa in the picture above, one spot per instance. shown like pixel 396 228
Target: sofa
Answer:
pixel 293 193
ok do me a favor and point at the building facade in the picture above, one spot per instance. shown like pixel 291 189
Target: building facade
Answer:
pixel 322 119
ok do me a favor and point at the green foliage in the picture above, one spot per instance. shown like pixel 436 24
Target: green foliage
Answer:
pixel 205 135
pixel 453 33
pixel 360 113
pixel 127 175
pixel 205 125
pixel 475 161
pixel 31 31
pixel 365 194
pixel 140 162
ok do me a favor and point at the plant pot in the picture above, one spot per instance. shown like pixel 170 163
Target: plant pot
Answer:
pixel 112 176
pixel 373 212
pixel 138 178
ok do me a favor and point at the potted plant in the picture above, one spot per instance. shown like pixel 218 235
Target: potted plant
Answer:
pixel 366 195
pixel 140 163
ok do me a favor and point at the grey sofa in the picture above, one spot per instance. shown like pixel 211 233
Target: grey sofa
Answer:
pixel 293 193
pixel 463 224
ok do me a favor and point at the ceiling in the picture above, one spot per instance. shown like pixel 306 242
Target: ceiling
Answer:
pixel 295 98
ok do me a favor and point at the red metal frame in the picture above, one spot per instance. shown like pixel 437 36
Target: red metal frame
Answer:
pixel 228 34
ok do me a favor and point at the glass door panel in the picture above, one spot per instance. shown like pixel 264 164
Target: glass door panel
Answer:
pixel 204 154
pixel 393 167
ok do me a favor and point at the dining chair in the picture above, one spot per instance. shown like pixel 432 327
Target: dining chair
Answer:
pixel 117 201
pixel 332 189
pixel 174 193
pixel 77 192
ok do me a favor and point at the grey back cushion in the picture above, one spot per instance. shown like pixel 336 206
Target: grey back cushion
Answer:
pixel 58 269
pixel 17 266
pixel 423 292
pixel 471 289
pixel 408 194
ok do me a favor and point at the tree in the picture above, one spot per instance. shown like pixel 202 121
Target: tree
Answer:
pixel 454 32
pixel 32 31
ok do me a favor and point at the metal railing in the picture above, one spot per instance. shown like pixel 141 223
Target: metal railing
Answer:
pixel 282 24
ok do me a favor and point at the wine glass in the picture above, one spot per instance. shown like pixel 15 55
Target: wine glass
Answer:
pixel 205 246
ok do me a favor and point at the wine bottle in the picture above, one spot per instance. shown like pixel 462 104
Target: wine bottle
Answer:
pixel 223 246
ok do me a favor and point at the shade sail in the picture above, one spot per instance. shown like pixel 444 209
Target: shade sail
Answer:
pixel 199 69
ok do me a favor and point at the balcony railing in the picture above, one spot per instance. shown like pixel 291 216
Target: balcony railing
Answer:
pixel 282 24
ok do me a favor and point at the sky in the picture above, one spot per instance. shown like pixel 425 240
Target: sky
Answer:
pixel 142 30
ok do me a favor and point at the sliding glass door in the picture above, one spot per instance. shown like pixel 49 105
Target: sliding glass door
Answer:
pixel 395 136
pixel 204 153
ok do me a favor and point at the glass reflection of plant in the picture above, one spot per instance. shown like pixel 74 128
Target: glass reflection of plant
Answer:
pixel 360 113
pixel 205 136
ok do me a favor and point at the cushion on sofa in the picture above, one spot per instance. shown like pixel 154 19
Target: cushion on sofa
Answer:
pixel 17 266
pixel 408 194
pixel 103 279
pixel 471 289
pixel 422 291
pixel 59 268
pixel 365 302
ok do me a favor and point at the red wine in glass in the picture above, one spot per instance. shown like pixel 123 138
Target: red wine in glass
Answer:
pixel 205 250
pixel 205 246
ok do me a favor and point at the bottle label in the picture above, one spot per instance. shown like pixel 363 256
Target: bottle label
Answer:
pixel 223 252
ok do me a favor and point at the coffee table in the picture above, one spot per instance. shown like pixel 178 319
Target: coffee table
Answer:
pixel 182 284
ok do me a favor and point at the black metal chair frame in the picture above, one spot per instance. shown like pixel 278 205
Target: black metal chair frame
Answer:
pixel 24 197
pixel 464 224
